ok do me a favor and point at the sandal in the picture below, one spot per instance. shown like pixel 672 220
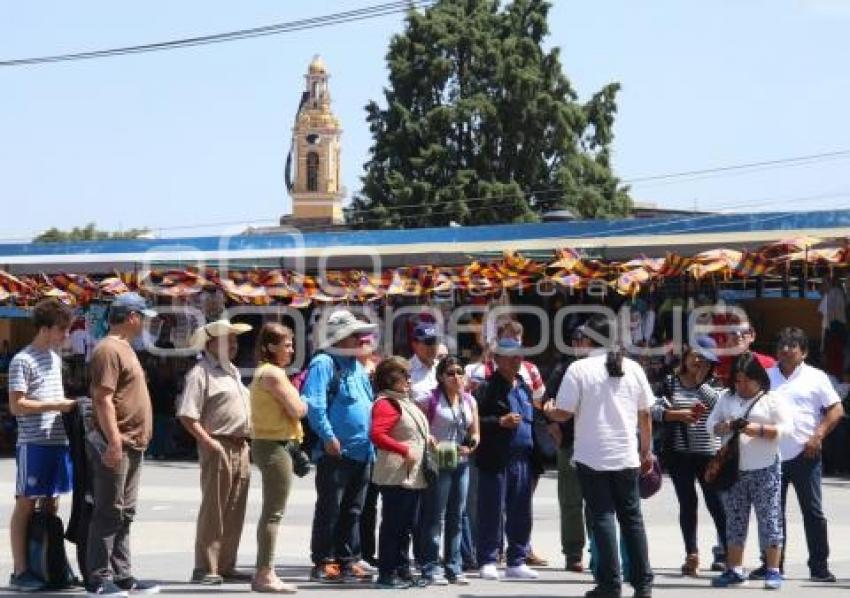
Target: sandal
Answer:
pixel 691 566
pixel 278 587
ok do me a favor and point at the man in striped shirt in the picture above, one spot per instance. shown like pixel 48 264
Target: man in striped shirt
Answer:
pixel 37 399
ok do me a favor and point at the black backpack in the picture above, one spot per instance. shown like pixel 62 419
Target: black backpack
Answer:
pixel 46 551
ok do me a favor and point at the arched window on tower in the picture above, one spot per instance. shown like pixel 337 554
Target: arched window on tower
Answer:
pixel 312 171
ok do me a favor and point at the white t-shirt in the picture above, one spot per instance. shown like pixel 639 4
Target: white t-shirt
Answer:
pixel 755 452
pixel 807 392
pixel 606 412
pixel 423 379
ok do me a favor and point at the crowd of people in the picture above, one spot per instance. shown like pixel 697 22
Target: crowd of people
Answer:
pixel 452 450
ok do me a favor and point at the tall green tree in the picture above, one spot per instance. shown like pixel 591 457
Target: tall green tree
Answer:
pixel 482 126
pixel 87 233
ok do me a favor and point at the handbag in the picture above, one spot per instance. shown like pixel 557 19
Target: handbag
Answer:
pixel 721 472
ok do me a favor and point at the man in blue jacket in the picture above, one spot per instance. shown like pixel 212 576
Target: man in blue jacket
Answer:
pixel 339 406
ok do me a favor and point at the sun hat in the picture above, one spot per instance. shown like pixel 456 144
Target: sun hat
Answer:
pixel 339 325
pixel 212 330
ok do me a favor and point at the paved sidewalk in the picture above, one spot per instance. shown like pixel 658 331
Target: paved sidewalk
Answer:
pixel 164 532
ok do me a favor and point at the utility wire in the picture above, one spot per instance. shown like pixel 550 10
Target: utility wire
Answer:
pixel 733 167
pixel 545 193
pixel 360 14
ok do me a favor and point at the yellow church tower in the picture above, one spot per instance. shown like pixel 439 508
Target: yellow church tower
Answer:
pixel 313 168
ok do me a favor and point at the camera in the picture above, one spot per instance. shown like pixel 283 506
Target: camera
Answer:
pixel 738 424
pixel 301 464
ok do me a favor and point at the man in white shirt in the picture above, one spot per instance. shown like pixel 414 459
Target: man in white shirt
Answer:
pixel 610 397
pixel 816 410
pixel 423 364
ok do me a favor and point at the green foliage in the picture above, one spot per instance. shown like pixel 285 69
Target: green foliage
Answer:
pixel 481 125
pixel 87 233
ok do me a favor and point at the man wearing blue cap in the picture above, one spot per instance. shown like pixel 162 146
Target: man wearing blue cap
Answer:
pixel 423 364
pixel 505 468
pixel 123 422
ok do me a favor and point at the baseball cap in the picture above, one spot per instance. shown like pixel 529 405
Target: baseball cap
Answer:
pixel 425 332
pixel 649 483
pixel 508 346
pixel 132 302
pixel 706 347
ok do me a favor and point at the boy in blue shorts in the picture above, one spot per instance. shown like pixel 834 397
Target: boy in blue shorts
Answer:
pixel 37 399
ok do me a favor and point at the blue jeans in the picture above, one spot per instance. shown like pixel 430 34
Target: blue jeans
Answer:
pixel 612 496
pixel 341 485
pixel 469 527
pixel 399 510
pixel 505 496
pixel 443 506
pixel 805 474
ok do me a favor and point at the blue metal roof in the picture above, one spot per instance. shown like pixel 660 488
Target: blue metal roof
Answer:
pixel 374 239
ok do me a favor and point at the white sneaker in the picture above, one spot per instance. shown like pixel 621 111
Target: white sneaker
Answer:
pixel 367 568
pixel 460 579
pixel 521 572
pixel 437 579
pixel 489 571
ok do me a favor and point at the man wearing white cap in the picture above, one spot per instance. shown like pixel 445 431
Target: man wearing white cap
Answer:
pixel 339 407
pixel 215 410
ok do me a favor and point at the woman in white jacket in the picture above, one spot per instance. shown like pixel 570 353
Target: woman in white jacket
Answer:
pixel 762 419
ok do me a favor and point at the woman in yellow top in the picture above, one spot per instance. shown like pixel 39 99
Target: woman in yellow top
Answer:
pixel 276 411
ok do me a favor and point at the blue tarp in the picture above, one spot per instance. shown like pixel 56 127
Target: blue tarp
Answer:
pixel 590 229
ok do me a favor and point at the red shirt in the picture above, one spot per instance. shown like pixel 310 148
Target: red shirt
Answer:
pixel 385 415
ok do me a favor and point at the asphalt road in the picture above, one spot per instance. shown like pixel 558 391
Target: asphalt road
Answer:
pixel 163 541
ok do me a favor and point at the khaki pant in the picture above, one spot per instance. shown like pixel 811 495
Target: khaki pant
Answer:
pixel 224 494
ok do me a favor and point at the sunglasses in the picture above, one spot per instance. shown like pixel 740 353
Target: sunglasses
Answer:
pixel 454 372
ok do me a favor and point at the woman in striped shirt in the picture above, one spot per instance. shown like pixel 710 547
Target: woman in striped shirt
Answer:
pixel 689 397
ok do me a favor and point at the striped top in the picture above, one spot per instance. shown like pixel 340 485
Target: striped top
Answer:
pixel 38 374
pixel 694 438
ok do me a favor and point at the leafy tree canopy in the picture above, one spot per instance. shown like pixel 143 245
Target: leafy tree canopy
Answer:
pixel 482 126
pixel 87 233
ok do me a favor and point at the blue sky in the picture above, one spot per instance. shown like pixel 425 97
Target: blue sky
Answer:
pixel 198 136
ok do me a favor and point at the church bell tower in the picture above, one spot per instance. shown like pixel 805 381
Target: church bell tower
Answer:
pixel 313 168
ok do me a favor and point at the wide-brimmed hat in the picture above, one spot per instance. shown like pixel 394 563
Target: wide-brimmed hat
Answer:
pixel 216 329
pixel 339 325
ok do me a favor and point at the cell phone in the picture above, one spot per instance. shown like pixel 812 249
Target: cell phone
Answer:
pixel 699 409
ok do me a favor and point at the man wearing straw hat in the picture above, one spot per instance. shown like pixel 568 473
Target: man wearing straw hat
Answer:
pixel 215 409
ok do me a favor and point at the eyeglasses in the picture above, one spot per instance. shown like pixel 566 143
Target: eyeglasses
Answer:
pixel 454 372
